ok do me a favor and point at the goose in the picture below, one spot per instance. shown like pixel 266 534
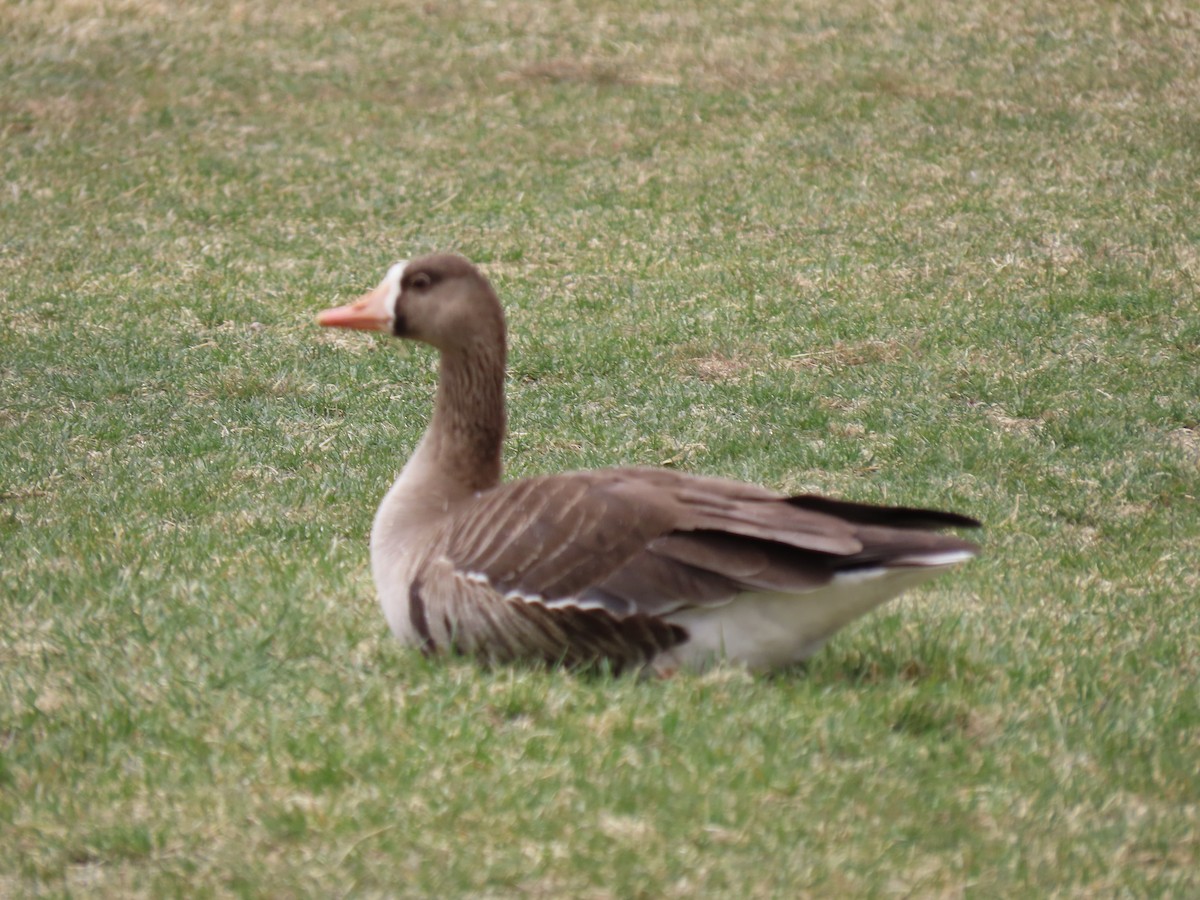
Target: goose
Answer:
pixel 644 569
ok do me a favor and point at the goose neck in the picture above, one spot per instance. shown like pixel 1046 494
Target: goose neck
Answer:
pixel 466 435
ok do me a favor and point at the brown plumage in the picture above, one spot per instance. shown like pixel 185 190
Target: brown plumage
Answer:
pixel 628 567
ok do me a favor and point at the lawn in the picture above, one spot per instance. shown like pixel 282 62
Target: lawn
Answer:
pixel 927 253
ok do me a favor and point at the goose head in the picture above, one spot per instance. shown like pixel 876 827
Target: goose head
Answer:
pixel 440 299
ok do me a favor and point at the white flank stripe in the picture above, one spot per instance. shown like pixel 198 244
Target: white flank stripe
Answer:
pixel 570 602
pixel 858 576
pixel 526 598
pixel 947 558
pixel 480 578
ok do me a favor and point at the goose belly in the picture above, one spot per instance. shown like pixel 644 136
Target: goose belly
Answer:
pixel 766 630
pixel 393 581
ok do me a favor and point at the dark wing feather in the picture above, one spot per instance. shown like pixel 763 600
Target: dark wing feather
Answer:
pixel 577 567
pixel 891 516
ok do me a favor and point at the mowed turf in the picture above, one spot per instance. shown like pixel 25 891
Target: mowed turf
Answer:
pixel 926 253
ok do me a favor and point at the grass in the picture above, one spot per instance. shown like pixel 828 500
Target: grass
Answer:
pixel 927 253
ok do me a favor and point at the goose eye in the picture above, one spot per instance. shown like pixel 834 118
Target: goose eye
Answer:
pixel 420 281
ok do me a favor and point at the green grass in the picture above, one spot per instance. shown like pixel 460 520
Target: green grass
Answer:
pixel 923 253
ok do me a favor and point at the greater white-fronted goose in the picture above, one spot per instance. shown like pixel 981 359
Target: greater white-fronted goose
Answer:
pixel 626 567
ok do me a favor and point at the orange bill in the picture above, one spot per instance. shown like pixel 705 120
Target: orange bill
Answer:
pixel 370 312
